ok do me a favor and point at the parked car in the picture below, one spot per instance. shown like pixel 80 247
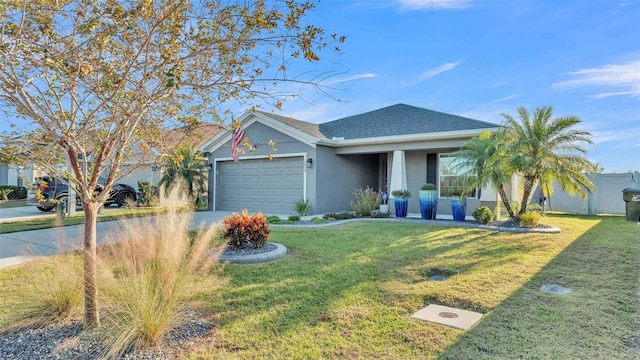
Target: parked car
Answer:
pixel 45 189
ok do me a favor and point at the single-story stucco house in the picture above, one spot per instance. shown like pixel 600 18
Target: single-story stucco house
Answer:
pixel 396 147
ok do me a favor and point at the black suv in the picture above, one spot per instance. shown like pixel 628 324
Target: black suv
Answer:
pixel 46 188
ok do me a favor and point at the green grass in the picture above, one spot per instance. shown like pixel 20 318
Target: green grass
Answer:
pixel 12 203
pixel 49 222
pixel 348 291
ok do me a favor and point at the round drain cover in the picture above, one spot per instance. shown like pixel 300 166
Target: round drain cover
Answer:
pixel 448 315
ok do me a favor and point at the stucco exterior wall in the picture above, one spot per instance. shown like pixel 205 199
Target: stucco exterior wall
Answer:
pixel 260 135
pixel 340 175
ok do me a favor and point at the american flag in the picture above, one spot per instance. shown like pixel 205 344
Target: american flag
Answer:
pixel 236 140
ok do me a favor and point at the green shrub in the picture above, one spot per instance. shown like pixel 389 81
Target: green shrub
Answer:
pixel 14 192
pixel 401 194
pixel 365 201
pixel 529 219
pixel 147 194
pixel 379 214
pixel 294 218
pixel 428 186
pixel 344 215
pixel 483 215
pixel 244 229
pixel 317 220
pixel 302 207
pixel 329 215
pixel 274 219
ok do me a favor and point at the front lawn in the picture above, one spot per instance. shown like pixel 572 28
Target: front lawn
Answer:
pixel 347 292
pixel 78 219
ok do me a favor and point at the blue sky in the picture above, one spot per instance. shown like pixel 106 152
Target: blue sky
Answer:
pixel 483 58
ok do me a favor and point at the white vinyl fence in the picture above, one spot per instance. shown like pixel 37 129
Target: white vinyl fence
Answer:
pixel 606 199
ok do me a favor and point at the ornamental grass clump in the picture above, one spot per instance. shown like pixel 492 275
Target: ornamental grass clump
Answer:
pixel 365 201
pixel 151 272
pixel 244 230
pixel 52 295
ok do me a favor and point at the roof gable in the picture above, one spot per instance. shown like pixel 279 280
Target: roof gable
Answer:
pixel 306 127
pixel 299 130
pixel 399 119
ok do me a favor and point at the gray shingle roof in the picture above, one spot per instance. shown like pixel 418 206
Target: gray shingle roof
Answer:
pixel 399 119
pixel 306 127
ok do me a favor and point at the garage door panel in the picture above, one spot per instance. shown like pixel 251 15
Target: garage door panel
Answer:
pixel 292 178
pixel 248 165
pixel 271 177
pixel 270 186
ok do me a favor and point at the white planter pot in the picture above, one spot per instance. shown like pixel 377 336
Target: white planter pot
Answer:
pixel 384 208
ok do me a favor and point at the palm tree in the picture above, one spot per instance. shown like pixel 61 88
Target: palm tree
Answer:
pixel 187 169
pixel 486 154
pixel 542 148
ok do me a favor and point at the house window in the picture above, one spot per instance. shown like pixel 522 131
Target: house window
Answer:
pixel 450 182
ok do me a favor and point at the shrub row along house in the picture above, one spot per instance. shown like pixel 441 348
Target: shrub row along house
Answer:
pixel 396 147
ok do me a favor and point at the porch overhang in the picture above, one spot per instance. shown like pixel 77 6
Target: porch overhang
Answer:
pixel 430 141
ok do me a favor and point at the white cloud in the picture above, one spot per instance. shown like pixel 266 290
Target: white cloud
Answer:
pixel 618 93
pixel 605 135
pixel 504 99
pixel 433 4
pixel 438 70
pixel 623 76
pixel 352 78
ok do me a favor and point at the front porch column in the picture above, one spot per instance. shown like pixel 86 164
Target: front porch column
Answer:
pixel 398 172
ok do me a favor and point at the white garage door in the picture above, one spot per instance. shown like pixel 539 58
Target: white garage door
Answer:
pixel 269 186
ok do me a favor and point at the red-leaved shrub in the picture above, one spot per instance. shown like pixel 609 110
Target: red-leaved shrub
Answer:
pixel 244 229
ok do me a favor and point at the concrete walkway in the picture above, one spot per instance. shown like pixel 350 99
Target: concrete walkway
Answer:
pixel 18 247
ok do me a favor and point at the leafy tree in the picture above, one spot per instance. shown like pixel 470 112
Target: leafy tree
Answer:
pixel 95 83
pixel 546 149
pixel 486 154
pixel 187 169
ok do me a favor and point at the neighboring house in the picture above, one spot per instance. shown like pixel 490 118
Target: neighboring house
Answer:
pixel 395 147
pixel 23 175
pixel 16 175
pixel 170 139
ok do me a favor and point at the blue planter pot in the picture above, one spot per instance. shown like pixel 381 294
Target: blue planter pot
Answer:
pixel 458 208
pixel 401 206
pixel 428 208
pixel 428 204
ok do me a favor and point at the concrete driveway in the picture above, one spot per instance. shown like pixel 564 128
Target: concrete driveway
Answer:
pixel 19 247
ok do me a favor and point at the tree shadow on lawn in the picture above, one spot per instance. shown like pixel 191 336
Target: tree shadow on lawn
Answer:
pixel 346 275
pixel 599 319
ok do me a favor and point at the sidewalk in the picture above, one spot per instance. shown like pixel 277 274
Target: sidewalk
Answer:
pixel 19 247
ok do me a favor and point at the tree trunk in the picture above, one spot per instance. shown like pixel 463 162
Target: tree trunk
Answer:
pixel 505 201
pixel 528 186
pixel 91 318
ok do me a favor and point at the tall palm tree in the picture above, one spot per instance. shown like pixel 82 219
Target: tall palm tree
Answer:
pixel 542 148
pixel 188 170
pixel 486 154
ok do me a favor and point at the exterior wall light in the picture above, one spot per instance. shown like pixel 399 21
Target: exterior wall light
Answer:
pixel 309 162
